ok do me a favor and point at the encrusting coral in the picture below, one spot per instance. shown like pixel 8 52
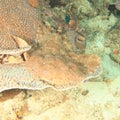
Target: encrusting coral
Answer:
pixel 19 19
pixel 51 64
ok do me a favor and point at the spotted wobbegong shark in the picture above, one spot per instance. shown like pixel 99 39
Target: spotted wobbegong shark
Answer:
pixel 51 64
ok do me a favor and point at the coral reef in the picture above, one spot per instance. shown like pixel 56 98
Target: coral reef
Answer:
pixel 66 37
pixel 114 43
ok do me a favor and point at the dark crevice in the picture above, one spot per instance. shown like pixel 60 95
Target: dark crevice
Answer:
pixel 56 3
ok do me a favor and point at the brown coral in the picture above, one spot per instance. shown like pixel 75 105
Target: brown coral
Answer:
pixel 16 18
pixel 33 3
